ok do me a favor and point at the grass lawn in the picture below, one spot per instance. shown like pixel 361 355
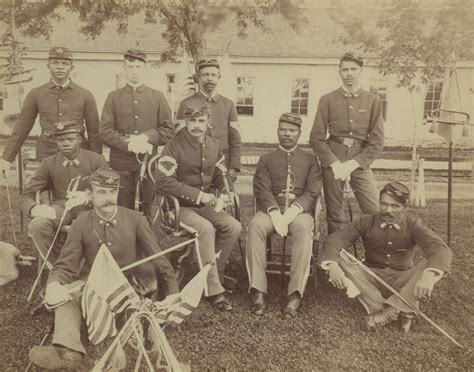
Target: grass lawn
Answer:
pixel 327 335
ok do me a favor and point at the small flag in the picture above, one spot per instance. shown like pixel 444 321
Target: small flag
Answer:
pixel 176 307
pixel 106 293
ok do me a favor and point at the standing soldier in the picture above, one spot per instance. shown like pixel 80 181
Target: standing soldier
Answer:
pixel 188 166
pixel 56 101
pixel 135 119
pixel 353 119
pixel 55 174
pixel 269 185
pixel 224 120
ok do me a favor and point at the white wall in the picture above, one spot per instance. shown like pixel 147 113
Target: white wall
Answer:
pixel 272 94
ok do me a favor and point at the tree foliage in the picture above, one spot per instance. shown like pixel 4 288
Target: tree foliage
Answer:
pixel 185 22
pixel 412 38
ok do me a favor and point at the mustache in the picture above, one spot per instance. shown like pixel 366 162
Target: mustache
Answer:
pixel 106 204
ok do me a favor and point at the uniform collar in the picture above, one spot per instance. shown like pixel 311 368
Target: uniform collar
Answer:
pixel 195 143
pixel 213 97
pixel 112 220
pixel 69 84
pixel 288 151
pixel 397 225
pixel 139 88
pixel 348 94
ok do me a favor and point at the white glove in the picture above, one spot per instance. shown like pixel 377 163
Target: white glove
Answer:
pixel 75 198
pixel 56 293
pixel 139 144
pixel 291 213
pixel 347 168
pixel 338 171
pixel 279 223
pixel 43 210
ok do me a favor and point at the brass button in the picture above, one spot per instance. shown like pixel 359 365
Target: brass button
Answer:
pixel 136 132
pixel 136 116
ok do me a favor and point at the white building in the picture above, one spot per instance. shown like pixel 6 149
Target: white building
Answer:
pixel 272 72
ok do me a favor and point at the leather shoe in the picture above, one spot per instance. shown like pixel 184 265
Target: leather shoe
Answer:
pixel 55 357
pixel 292 306
pixel 258 302
pixel 380 318
pixel 221 303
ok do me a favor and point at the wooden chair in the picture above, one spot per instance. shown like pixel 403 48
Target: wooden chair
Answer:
pixel 274 256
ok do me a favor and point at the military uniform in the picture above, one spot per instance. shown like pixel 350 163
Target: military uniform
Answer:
pixel 55 104
pixel 55 173
pixel 223 126
pixel 128 236
pixel 389 253
pixel 355 126
pixel 269 183
pixel 187 169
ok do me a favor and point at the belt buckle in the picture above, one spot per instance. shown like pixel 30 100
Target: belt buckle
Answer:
pixel 349 142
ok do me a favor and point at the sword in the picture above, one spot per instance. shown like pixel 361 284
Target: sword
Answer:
pixel 405 301
pixel 10 208
pixel 73 185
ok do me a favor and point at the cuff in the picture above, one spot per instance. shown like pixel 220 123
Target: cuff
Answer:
pixel 325 264
pixel 271 209
pixel 436 271
pixel 298 205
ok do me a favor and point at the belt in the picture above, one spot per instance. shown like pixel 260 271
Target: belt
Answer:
pixel 347 141
pixel 291 196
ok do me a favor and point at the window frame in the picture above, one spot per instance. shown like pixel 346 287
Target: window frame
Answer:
pixel 299 98
pixel 432 101
pixel 238 106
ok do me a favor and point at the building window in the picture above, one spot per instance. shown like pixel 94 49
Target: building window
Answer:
pixel 380 89
pixel 299 96
pixel 245 95
pixel 434 96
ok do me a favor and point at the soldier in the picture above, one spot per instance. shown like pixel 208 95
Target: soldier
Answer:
pixel 135 120
pixel 128 236
pixel 58 100
pixel 269 185
pixel 55 174
pixel 389 237
pixel 353 119
pixel 224 120
pixel 186 169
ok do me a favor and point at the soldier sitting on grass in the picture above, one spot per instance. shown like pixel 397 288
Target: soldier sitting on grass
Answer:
pixel 390 237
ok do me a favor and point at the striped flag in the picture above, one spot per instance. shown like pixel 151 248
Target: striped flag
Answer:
pixel 106 293
pixel 175 307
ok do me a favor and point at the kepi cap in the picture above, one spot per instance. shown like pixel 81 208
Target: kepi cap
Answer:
pixel 208 62
pixel 68 126
pixel 196 107
pixel 135 53
pixel 349 56
pixel 397 190
pixel 60 53
pixel 289 117
pixel 105 177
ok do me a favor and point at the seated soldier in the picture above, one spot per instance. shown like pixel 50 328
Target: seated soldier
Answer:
pixel 188 166
pixel 283 212
pixel 126 233
pixel 55 174
pixel 389 237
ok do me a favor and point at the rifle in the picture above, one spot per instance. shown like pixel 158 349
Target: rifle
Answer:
pixel 143 175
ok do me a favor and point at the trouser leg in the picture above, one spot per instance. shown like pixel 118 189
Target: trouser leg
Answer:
pixel 333 197
pixel 404 282
pixel 67 324
pixel 365 190
pixel 228 230
pixel 126 196
pixel 259 228
pixel 206 238
pixel 370 295
pixel 42 231
pixel 301 230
